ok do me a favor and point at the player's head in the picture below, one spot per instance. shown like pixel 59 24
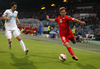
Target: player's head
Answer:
pixel 13 6
pixel 62 11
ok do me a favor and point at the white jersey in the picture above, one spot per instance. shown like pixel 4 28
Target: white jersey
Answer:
pixel 10 24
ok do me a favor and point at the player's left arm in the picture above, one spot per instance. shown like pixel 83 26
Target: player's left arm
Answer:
pixel 75 20
pixel 18 22
pixel 81 22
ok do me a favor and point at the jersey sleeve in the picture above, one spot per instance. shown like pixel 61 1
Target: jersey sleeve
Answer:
pixel 70 18
pixel 5 14
pixel 17 13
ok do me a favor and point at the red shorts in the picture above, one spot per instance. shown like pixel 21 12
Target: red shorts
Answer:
pixel 65 37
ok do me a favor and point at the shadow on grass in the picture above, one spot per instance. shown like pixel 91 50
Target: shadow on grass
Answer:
pixel 88 66
pixel 22 63
pixel 44 56
pixel 57 59
pixel 67 62
pixel 3 52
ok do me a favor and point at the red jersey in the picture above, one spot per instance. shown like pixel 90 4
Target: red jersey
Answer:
pixel 64 23
pixel 64 28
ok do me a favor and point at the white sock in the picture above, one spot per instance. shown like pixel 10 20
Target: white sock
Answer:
pixel 22 45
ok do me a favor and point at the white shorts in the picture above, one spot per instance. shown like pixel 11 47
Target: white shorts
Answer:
pixel 9 33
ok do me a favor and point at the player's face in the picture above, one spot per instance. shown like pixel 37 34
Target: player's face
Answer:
pixel 63 13
pixel 14 7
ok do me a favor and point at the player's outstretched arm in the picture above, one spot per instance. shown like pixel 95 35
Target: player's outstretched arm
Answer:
pixel 52 20
pixel 17 21
pixel 81 22
pixel 4 18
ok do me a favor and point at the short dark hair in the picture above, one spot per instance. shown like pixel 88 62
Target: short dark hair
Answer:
pixel 13 3
pixel 62 8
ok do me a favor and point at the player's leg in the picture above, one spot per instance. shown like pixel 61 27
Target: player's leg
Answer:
pixel 70 50
pixel 18 37
pixel 67 45
pixel 22 44
pixel 9 36
pixel 10 43
pixel 72 38
pixel 40 31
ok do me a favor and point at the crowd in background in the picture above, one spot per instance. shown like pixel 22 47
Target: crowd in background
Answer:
pixel 53 12
pixel 28 30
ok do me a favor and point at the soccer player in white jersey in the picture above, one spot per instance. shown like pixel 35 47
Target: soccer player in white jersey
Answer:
pixel 10 17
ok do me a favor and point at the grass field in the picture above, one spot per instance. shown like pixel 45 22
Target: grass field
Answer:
pixel 44 55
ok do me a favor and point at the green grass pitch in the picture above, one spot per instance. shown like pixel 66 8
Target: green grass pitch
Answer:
pixel 44 56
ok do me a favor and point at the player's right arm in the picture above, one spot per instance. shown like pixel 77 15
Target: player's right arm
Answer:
pixel 4 16
pixel 52 20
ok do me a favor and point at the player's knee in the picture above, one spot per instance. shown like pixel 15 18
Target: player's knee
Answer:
pixel 66 45
pixel 74 42
pixel 9 41
pixel 18 38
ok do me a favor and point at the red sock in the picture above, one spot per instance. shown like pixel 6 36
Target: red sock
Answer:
pixel 70 51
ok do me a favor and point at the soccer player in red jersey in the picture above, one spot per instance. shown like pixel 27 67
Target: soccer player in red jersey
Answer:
pixel 64 29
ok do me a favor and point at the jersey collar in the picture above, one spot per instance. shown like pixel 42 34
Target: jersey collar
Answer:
pixel 11 11
pixel 63 17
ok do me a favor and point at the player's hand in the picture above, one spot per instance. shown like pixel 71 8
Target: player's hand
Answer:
pixel 8 18
pixel 82 23
pixel 18 24
pixel 47 17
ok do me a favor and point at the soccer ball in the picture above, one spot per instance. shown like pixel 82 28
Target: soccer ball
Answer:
pixel 62 57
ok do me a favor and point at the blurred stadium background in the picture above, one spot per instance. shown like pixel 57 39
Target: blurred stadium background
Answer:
pixel 33 12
